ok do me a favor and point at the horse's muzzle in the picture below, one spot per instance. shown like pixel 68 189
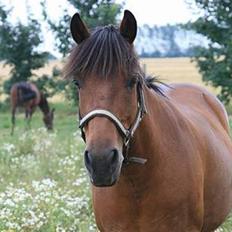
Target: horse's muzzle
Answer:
pixel 103 167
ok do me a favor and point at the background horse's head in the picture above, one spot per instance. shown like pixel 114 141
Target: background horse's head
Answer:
pixel 106 70
pixel 48 119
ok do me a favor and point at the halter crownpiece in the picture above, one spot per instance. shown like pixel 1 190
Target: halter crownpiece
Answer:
pixel 127 134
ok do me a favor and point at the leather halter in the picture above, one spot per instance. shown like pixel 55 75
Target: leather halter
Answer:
pixel 126 133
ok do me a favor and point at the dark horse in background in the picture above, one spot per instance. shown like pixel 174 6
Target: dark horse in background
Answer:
pixel 159 158
pixel 27 95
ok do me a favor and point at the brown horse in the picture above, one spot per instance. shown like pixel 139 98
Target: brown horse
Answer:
pixel 159 158
pixel 28 96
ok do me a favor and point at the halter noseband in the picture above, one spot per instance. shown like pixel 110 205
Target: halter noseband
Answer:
pixel 126 134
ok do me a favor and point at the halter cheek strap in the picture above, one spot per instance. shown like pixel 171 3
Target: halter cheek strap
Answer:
pixel 127 134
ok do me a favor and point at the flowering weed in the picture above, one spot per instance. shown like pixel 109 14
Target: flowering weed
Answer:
pixel 44 186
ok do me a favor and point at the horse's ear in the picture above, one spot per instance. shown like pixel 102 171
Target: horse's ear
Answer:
pixel 128 27
pixel 79 30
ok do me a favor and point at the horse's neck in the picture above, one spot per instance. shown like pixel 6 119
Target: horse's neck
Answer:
pixel 43 104
pixel 160 112
pixel 157 126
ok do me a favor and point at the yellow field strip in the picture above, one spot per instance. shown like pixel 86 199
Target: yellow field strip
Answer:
pixel 168 70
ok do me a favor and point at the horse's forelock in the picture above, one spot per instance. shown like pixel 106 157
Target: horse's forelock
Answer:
pixel 105 53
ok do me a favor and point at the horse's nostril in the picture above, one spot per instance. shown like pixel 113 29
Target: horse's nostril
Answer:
pixel 114 156
pixel 87 158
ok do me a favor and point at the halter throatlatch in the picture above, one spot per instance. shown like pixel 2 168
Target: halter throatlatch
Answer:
pixel 126 133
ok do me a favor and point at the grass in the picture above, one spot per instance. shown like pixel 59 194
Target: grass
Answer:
pixel 43 183
pixel 63 122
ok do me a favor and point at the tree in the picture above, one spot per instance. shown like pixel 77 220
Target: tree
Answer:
pixel 93 12
pixel 19 48
pixel 215 62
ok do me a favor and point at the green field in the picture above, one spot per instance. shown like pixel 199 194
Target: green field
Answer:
pixel 43 183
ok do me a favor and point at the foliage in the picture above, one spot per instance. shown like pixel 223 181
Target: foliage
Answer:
pixel 50 84
pixel 215 62
pixel 19 48
pixel 94 13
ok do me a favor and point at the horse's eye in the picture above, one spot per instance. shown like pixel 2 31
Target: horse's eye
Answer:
pixel 131 83
pixel 76 83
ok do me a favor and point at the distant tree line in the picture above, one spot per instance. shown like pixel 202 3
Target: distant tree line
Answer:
pixel 167 41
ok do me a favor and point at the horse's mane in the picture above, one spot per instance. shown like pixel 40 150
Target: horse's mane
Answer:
pixel 43 104
pixel 151 83
pixel 105 54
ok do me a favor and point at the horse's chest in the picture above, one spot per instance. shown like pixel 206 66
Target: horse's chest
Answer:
pixel 151 223
pixel 116 212
pixel 138 214
pixel 124 214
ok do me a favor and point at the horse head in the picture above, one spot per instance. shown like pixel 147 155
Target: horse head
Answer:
pixel 48 119
pixel 106 71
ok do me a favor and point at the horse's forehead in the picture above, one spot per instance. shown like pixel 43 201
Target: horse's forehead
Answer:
pixel 110 90
pixel 111 81
pixel 99 89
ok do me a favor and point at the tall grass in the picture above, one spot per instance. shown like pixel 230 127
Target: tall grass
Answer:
pixel 43 184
